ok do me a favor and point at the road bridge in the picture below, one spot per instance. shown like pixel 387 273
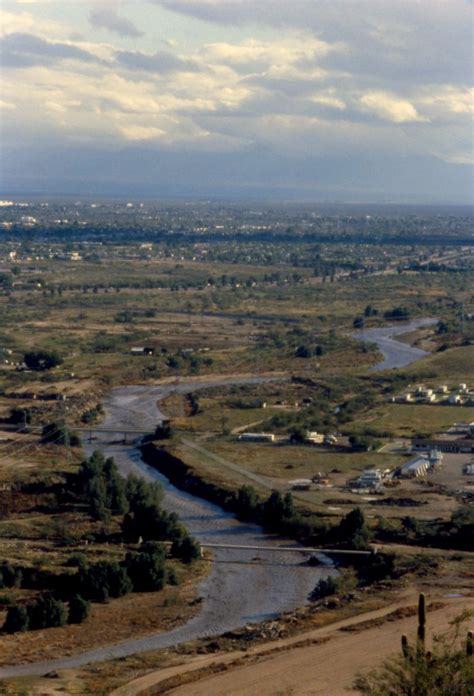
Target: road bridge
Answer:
pixel 129 434
pixel 292 549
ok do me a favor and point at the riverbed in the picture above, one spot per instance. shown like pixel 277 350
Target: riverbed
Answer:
pixel 243 586
pixel 395 353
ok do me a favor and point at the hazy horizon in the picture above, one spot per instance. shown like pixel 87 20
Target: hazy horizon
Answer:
pixel 367 102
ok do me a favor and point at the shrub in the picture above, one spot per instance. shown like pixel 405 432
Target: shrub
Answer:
pixel 186 549
pixel 17 619
pixel 58 434
pixel 163 431
pixel 42 360
pixel 324 588
pixel 79 609
pixel 146 569
pixel 9 575
pixel 46 612
pixel 172 576
pixel 102 580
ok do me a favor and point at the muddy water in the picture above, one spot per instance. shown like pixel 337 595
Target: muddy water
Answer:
pixel 236 592
pixel 395 353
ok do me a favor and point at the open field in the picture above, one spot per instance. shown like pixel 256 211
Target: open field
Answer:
pixel 406 420
pixel 276 466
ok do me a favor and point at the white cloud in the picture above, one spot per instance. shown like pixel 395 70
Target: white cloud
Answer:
pixel 291 90
pixel 390 107
pixel 452 99
pixel 25 22
pixel 329 100
pixel 133 132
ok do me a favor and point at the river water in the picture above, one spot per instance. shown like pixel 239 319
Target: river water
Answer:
pixel 236 592
pixel 395 353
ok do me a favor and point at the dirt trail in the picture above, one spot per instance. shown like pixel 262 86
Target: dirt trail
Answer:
pixel 326 669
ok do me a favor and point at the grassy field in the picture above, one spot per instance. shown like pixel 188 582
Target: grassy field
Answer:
pixel 406 420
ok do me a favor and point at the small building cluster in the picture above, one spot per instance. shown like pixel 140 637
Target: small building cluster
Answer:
pixel 455 396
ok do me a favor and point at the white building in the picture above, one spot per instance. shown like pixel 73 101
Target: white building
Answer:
pixel 370 478
pixel 314 437
pixel 257 437
pixel 416 467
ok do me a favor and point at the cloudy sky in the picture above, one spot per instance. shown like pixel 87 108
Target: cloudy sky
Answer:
pixel 355 100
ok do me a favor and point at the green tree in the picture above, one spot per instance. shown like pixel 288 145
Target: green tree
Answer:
pixel 278 511
pixel 79 609
pixel 10 576
pixel 42 360
pixel 46 612
pixel 352 530
pixel 17 619
pixel 20 416
pixel 102 580
pixel 247 503
pixel 147 569
pixel 57 433
pixel 185 548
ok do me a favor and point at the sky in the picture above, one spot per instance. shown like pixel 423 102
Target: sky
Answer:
pixel 310 100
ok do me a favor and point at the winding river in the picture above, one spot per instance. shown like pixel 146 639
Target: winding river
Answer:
pixel 235 593
pixel 395 353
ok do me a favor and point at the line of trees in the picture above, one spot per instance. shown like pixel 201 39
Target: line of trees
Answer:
pixel 278 514
pixel 98 486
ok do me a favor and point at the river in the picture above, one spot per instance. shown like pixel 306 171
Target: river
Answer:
pixel 235 593
pixel 395 353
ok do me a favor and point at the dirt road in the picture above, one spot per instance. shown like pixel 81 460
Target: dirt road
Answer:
pixel 326 668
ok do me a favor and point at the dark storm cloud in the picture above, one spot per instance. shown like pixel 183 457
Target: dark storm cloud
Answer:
pixel 26 50
pixel 108 18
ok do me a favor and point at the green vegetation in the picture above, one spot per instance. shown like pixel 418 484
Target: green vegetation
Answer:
pixel 42 360
pixel 98 488
pixel 57 433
